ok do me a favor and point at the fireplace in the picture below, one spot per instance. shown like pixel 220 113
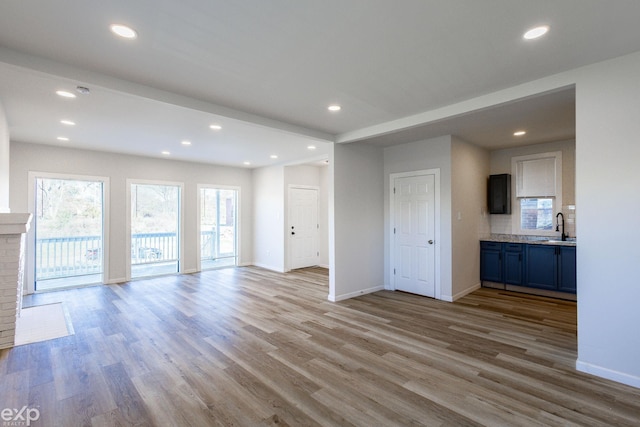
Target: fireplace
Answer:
pixel 13 229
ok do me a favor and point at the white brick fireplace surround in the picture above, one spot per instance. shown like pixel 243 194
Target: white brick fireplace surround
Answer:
pixel 13 229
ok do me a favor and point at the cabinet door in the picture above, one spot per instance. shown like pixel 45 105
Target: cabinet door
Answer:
pixel 491 262
pixel 567 269
pixel 542 267
pixel 513 264
pixel 499 194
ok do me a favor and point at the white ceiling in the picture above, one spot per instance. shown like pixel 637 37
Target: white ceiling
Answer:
pixel 266 71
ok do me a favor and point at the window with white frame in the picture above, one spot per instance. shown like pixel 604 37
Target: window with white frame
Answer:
pixel 538 192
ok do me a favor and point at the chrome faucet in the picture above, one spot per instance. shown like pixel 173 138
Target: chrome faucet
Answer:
pixel 564 236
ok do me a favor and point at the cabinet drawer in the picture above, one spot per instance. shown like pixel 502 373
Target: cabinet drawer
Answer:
pixel 513 247
pixel 491 245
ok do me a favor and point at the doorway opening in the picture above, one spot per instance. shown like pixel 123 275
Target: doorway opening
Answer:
pixel 69 232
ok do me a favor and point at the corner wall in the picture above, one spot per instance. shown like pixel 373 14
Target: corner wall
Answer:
pixel 607 180
pixel 356 200
pixel 469 221
pixel 269 218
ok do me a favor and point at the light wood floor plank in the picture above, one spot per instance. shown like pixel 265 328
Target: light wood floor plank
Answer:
pixel 252 347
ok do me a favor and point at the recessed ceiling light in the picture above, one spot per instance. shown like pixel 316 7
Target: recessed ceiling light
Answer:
pixel 246 163
pixel 334 107
pixel 519 133
pixel 273 156
pixel 124 31
pixel 311 147
pixel 62 138
pixel 166 153
pixel 215 127
pixel 186 143
pixel 65 94
pixel 536 32
pixel 68 122
pixel 83 90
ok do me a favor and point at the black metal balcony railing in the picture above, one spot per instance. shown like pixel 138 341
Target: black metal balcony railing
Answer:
pixel 60 257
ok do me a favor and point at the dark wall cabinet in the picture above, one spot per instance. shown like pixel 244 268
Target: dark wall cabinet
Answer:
pixel 538 266
pixel 499 194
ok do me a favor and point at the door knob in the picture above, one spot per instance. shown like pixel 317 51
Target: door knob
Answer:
pixel 431 242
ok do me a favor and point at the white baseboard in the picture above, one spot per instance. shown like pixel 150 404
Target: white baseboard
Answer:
pixel 450 298
pixel 269 267
pixel 116 281
pixel 336 298
pixel 609 374
pixel 190 271
pixel 324 266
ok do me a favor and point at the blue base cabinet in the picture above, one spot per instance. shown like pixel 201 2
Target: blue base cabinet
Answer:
pixel 551 267
pixel 540 266
pixel 491 261
pixel 514 264
pixel 567 269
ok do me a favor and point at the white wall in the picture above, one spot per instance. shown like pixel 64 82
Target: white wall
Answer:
pixel 118 168
pixel 268 219
pixel 501 163
pixel 324 217
pixel 357 201
pixel 429 154
pixel 4 162
pixel 608 197
pixel 311 176
pixel 469 222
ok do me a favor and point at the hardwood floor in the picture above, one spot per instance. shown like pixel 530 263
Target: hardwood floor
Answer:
pixel 249 347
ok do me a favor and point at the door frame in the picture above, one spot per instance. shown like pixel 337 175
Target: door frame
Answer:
pixel 392 177
pixel 30 264
pixel 287 236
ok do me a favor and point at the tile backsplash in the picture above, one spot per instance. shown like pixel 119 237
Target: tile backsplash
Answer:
pixel 501 224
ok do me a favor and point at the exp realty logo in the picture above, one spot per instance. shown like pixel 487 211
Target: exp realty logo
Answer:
pixel 19 417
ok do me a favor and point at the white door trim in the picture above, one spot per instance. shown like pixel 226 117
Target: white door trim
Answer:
pixel 392 178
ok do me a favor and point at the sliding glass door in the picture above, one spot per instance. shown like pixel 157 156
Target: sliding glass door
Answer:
pixel 155 229
pixel 69 218
pixel 218 227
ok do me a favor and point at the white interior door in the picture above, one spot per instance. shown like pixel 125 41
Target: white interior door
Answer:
pixel 303 227
pixel 414 234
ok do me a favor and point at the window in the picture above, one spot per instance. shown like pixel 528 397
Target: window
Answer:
pixel 536 214
pixel 538 192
